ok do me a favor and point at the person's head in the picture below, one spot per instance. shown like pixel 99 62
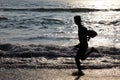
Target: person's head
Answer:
pixel 77 20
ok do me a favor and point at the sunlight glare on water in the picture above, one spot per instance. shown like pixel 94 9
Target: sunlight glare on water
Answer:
pixel 107 26
pixel 97 4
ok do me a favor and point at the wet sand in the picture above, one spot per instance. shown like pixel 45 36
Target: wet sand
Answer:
pixel 58 74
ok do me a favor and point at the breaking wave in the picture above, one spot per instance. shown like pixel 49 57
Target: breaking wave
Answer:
pixel 55 57
pixel 32 50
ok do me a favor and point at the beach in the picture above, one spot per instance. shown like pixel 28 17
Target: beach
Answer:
pixel 51 62
pixel 58 74
pixel 37 39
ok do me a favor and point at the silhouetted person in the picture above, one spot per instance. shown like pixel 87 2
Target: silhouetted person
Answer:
pixel 83 45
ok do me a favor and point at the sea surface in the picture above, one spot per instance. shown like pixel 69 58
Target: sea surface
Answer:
pixel 51 22
pixel 42 33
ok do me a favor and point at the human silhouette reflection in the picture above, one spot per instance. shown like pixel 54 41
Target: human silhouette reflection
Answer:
pixel 84 36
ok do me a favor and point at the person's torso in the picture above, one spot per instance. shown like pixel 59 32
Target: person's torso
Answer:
pixel 82 34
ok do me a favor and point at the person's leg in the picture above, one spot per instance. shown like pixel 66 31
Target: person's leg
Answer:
pixel 94 50
pixel 83 54
pixel 89 52
pixel 78 63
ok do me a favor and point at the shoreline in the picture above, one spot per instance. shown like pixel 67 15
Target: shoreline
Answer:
pixel 50 62
pixel 42 56
pixel 58 74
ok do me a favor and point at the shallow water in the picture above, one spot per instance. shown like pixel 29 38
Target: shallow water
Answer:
pixel 55 57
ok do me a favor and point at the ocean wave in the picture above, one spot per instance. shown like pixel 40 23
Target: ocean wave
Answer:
pixel 53 9
pixel 40 38
pixel 115 9
pixel 3 18
pixel 32 50
pixel 50 51
pixel 45 38
pixel 51 21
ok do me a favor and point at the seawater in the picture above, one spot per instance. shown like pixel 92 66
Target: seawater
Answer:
pixel 51 22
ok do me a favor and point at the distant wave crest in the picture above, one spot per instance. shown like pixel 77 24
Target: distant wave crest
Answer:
pixel 52 9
